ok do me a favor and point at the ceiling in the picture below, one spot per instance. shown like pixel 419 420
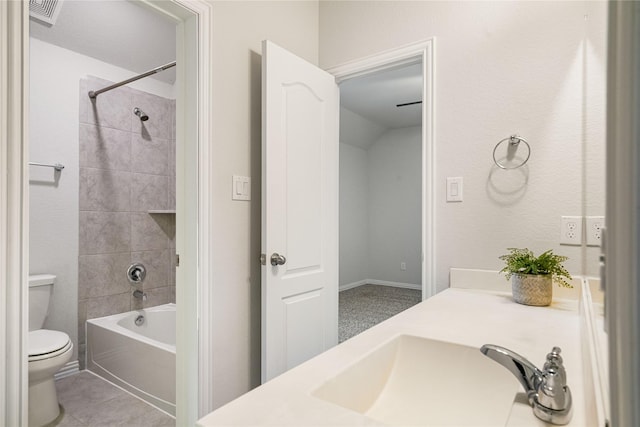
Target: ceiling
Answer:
pixel 375 96
pixel 126 34
pixel 122 33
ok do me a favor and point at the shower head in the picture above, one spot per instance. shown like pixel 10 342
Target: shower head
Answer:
pixel 138 112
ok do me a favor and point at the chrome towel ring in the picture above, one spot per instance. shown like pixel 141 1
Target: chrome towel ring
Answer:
pixel 514 140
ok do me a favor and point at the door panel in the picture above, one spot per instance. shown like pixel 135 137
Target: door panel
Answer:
pixel 299 210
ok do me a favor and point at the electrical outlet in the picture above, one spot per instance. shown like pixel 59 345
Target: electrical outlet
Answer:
pixel 571 230
pixel 403 265
pixel 594 226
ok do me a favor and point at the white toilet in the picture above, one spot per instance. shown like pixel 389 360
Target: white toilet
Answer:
pixel 48 352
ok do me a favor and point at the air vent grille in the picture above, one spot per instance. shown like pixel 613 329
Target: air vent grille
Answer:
pixel 45 10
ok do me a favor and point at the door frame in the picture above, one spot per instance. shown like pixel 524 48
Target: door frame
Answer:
pixel 194 387
pixel 423 51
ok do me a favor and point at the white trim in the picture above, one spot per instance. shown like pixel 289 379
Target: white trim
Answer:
pixel 352 285
pixel 194 385
pixel 395 284
pixel 380 283
pixel 412 53
pixel 71 368
pixel 194 358
pixel 622 237
pixel 14 214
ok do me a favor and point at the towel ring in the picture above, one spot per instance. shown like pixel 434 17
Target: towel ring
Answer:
pixel 513 140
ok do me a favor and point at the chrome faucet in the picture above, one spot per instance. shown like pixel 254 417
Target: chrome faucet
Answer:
pixel 547 389
pixel 140 295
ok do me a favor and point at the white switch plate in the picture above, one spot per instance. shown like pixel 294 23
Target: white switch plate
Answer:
pixel 241 188
pixel 571 230
pixel 594 226
pixel 454 189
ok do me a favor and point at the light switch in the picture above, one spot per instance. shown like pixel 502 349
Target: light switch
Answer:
pixel 454 189
pixel 241 188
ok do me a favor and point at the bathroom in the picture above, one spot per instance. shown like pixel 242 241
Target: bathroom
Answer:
pixel 493 79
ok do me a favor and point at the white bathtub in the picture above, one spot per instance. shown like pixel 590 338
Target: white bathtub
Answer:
pixel 140 359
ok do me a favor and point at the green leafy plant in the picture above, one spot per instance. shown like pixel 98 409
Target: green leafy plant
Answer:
pixel 523 261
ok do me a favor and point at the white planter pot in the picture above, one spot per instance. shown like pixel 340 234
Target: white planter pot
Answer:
pixel 530 289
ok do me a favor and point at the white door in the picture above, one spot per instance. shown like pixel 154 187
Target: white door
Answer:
pixel 300 107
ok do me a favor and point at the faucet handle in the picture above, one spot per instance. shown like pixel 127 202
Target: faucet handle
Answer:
pixel 554 363
pixel 553 390
pixel 554 356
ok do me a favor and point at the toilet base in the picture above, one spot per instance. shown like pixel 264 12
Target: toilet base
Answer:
pixel 43 397
pixel 43 403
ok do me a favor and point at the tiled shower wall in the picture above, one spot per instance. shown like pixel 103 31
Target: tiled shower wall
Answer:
pixel 127 168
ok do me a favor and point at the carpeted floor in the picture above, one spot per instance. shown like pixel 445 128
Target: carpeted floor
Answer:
pixel 367 305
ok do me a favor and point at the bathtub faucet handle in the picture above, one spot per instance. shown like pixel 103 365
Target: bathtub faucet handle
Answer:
pixel 140 295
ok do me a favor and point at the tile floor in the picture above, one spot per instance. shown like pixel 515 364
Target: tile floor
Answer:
pixel 89 401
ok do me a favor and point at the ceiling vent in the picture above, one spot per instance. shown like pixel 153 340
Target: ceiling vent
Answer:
pixel 46 11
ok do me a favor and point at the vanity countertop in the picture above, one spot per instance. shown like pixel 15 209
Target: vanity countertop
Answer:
pixel 460 316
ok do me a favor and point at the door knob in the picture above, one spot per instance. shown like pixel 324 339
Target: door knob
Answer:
pixel 277 259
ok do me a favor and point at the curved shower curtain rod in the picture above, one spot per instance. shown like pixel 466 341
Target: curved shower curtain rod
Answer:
pixel 94 94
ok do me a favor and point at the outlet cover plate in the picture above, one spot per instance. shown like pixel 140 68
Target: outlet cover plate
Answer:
pixel 571 230
pixel 593 228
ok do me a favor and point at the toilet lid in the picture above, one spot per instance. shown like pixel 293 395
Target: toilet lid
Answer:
pixel 43 341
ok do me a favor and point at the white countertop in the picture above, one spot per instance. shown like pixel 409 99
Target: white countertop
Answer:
pixel 461 316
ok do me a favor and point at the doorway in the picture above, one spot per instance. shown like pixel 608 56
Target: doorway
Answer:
pixel 380 196
pixel 393 71
pixel 118 151
pixel 193 35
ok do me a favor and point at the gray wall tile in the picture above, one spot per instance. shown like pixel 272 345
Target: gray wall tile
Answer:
pixel 172 294
pixel 104 148
pixel 104 232
pixel 148 232
pixel 173 118
pixel 112 109
pixel 149 156
pixel 157 266
pixel 149 192
pixel 82 318
pixel 171 203
pixel 127 168
pixel 157 296
pixel 103 274
pixel 104 190
pixel 108 305
pixel 159 111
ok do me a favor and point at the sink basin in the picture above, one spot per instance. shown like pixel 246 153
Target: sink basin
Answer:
pixel 418 381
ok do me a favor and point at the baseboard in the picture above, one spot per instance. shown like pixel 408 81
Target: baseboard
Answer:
pixel 381 283
pixel 394 284
pixel 351 285
pixel 71 368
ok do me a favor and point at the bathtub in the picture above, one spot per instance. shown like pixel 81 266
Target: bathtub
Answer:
pixel 140 359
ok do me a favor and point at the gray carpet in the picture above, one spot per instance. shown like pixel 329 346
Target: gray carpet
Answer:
pixel 367 305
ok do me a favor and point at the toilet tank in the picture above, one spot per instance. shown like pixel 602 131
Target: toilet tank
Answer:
pixel 40 288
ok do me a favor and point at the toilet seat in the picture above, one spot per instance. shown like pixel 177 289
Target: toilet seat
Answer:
pixel 45 344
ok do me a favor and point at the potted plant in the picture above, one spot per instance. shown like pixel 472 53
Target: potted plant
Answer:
pixel 532 277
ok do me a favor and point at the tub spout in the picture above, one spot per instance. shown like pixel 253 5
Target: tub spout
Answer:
pixel 547 391
pixel 140 295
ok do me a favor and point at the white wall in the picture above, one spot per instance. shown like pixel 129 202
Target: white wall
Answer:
pixel 357 131
pixel 395 206
pixel 380 206
pixel 354 214
pixel 238 29
pixel 501 68
pixel 53 208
